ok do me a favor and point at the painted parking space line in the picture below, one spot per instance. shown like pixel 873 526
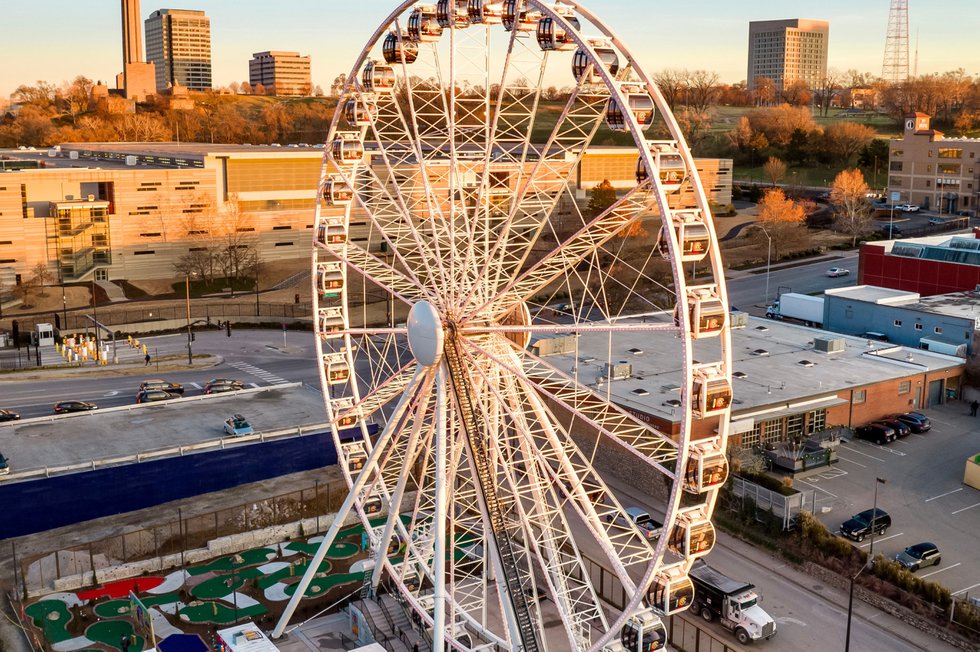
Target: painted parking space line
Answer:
pixel 854 450
pixel 940 570
pixel 942 495
pixel 195 385
pixel 818 488
pixel 966 508
pixel 841 457
pixel 972 586
pixel 880 539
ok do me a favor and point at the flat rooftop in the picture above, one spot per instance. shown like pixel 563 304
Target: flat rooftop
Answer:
pixel 874 294
pixel 774 363
pixel 197 421
pixel 955 304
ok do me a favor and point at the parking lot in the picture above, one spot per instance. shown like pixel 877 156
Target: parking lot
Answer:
pixel 924 494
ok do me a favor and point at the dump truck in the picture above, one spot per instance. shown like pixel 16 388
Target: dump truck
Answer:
pixel 734 603
pixel 797 307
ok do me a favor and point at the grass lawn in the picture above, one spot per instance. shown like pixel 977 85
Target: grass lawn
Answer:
pixel 821 176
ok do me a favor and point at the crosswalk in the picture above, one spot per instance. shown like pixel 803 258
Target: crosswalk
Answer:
pixel 258 372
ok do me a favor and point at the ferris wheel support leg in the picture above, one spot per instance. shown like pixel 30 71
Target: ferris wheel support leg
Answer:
pixel 344 510
pixel 439 563
pixel 396 499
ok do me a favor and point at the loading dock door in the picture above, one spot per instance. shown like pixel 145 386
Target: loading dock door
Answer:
pixel 935 392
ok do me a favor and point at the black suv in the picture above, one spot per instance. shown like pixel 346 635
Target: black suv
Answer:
pixel 861 525
pixel 876 432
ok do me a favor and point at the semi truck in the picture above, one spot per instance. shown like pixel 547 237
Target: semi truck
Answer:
pixel 734 603
pixel 798 307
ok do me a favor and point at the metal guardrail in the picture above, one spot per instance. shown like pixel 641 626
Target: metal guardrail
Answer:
pixel 170 451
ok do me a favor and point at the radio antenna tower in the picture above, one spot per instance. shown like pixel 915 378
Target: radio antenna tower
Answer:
pixel 896 65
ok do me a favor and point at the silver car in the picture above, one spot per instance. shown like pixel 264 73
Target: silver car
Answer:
pixel 919 556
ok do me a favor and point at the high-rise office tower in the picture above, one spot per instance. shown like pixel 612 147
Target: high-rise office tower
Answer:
pixel 281 73
pixel 137 80
pixel 178 41
pixel 786 51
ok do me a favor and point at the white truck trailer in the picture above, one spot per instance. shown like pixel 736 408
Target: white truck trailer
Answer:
pixel 797 307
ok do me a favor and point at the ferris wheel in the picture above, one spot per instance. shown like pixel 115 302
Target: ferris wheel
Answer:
pixel 473 316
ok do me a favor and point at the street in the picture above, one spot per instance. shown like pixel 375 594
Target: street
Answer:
pixel 747 290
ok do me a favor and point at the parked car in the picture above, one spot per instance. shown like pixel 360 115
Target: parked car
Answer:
pixel 919 556
pixel 834 272
pixel 864 523
pixel 4 465
pixel 877 433
pixel 936 220
pixel 891 231
pixel 8 415
pixel 62 407
pixel 220 385
pixel 162 385
pixel 917 421
pixel 907 208
pixel 901 428
pixel 642 520
pixel 238 426
pixel 154 395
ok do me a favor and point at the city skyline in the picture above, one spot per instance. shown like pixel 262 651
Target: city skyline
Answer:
pixel 857 36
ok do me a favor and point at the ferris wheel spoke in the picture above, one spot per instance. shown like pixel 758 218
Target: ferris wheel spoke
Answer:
pixel 587 240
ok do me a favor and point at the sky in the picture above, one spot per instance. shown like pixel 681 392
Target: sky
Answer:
pixel 57 40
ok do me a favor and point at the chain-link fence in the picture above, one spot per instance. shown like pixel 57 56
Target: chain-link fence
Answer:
pixel 40 572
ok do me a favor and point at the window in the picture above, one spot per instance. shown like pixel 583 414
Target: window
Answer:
pixel 794 425
pixel 859 396
pixel 918 327
pixel 143 253
pixel 895 166
pixel 904 387
pixel 282 228
pixel 898 152
pixel 285 244
pixel 772 431
pixel 816 421
pixel 938 330
pixel 751 438
pixel 947 168
pixel 898 323
pixel 149 235
pixel 950 152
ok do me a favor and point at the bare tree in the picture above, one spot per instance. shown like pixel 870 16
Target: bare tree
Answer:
pixel 671 84
pixel 764 91
pixel 701 89
pixel 845 139
pixel 774 169
pixel 40 278
pixel 852 210
pixel 77 95
pixel 828 87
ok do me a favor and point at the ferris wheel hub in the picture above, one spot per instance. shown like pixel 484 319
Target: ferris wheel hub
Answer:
pixel 425 333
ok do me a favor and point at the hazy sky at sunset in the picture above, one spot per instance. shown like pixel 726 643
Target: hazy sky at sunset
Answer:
pixel 55 40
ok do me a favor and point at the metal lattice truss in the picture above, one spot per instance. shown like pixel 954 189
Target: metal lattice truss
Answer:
pixel 453 247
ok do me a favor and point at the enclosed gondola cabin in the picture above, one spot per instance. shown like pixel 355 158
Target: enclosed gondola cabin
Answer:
pixel 337 192
pixel 706 312
pixel 398 50
pixel 552 36
pixel 706 469
pixel 372 506
pixel 487 13
pixel 581 61
pixel 692 236
pixel 640 105
pixel 331 324
pixel 359 113
pixel 330 280
pixel 521 20
pixel 643 632
pixel 692 538
pixel 453 13
pixel 331 232
pixel 670 167
pixel 377 76
pixel 712 395
pixel 423 27
pixel 346 150
pixel 672 592
pixel 354 454
pixel 338 372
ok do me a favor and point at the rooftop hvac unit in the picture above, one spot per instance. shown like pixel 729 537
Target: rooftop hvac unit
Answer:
pixel 618 371
pixel 738 319
pixel 73 155
pixel 829 344
pixel 130 160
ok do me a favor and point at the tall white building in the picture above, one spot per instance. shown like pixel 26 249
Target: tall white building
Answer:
pixel 786 51
pixel 178 42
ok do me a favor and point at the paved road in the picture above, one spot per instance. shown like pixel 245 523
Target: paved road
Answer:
pixel 256 357
pixel 747 291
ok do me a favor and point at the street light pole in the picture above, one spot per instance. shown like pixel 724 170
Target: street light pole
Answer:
pixel 870 563
pixel 768 260
pixel 187 297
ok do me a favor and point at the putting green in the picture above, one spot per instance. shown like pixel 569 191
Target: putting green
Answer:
pixel 321 585
pixel 222 585
pixel 294 570
pixel 339 550
pixel 156 600
pixel 219 613
pixel 249 558
pixel 112 608
pixel 110 632
pixel 52 617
